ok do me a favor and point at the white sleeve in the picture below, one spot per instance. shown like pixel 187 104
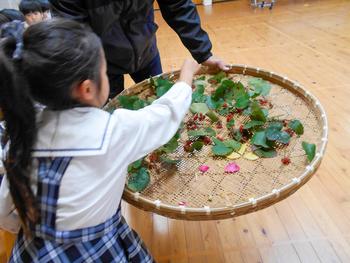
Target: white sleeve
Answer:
pixel 9 220
pixel 153 126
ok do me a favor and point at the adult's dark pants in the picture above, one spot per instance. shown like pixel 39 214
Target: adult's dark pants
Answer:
pixel 116 82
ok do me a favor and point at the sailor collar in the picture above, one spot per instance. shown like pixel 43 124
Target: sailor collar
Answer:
pixel 84 131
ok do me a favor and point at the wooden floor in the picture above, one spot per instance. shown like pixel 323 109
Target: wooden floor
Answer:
pixel 309 41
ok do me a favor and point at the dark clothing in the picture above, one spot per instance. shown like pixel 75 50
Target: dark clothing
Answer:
pixel 152 69
pixel 127 29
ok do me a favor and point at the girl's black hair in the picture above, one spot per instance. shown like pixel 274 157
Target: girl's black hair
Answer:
pixel 57 55
pixel 29 6
pixel 8 15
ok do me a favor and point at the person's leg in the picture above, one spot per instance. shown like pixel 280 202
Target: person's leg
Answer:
pixel 152 69
pixel 116 85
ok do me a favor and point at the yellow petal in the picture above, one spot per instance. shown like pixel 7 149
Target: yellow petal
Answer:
pixel 242 149
pixel 251 156
pixel 233 156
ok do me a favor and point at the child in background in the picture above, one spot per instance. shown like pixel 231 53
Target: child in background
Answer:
pixel 32 11
pixel 8 15
pixel 67 165
pixel 45 8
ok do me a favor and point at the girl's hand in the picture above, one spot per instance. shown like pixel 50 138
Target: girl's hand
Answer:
pixel 188 70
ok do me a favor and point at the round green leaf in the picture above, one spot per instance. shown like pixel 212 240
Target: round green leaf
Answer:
pixel 139 181
pixel 310 150
pixel 296 126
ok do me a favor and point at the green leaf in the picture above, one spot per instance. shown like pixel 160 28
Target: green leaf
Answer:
pixel 273 133
pixel 259 138
pixel 252 124
pixel 212 116
pixel 171 146
pixel 135 165
pixel 261 87
pixel 296 126
pixel 266 153
pixel 201 78
pixel 237 135
pixel 257 114
pixel 247 111
pixel 221 150
pixel 197 145
pixel 212 104
pixel 199 108
pixel 139 104
pixel 243 101
pixel 202 132
pixel 283 137
pixel 162 86
pixel 230 124
pixel 238 90
pixel 198 94
pixel 276 125
pixel 139 181
pixel 228 83
pixel 127 102
pixel 219 92
pixel 218 77
pixel 167 160
pixel 233 144
pixel 310 150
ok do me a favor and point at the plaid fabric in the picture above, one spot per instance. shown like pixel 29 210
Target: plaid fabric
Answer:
pixel 111 241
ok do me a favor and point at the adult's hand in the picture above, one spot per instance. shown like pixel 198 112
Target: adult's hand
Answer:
pixel 216 63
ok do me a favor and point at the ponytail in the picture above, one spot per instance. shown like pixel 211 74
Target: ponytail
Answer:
pixel 19 115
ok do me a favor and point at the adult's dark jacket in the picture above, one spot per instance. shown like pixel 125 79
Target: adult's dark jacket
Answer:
pixel 127 28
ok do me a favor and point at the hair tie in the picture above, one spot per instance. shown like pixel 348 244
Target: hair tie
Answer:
pixel 14 29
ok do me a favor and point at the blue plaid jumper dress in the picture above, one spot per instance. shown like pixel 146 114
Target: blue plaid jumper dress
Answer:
pixel 111 241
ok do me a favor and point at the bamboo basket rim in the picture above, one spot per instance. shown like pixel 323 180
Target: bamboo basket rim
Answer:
pixel 253 204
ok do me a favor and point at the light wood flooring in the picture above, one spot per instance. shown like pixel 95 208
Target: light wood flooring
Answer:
pixel 308 41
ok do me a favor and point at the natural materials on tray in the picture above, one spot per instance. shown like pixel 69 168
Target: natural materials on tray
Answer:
pixel 220 105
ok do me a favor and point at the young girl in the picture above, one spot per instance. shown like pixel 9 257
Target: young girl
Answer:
pixel 67 165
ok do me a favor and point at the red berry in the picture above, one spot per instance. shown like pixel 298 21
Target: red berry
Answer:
pixel 187 148
pixel 239 110
pixel 224 105
pixel 229 117
pixel 188 142
pixel 241 129
pixel 219 125
pixel 285 160
pixel 153 157
pixel 195 117
pixel 206 140
pixel 263 102
pixel 212 81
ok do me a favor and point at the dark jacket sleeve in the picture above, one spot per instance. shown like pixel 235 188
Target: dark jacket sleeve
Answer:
pixel 183 18
pixel 72 9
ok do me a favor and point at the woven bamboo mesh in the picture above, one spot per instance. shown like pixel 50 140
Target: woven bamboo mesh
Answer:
pixel 183 192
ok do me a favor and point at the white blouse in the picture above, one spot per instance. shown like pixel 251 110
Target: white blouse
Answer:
pixel 102 146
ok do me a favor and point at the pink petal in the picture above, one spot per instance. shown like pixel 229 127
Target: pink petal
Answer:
pixel 203 168
pixel 232 168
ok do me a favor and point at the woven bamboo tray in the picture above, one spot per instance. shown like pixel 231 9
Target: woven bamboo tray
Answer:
pixel 186 194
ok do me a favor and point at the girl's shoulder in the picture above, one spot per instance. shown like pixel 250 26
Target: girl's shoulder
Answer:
pixel 84 131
